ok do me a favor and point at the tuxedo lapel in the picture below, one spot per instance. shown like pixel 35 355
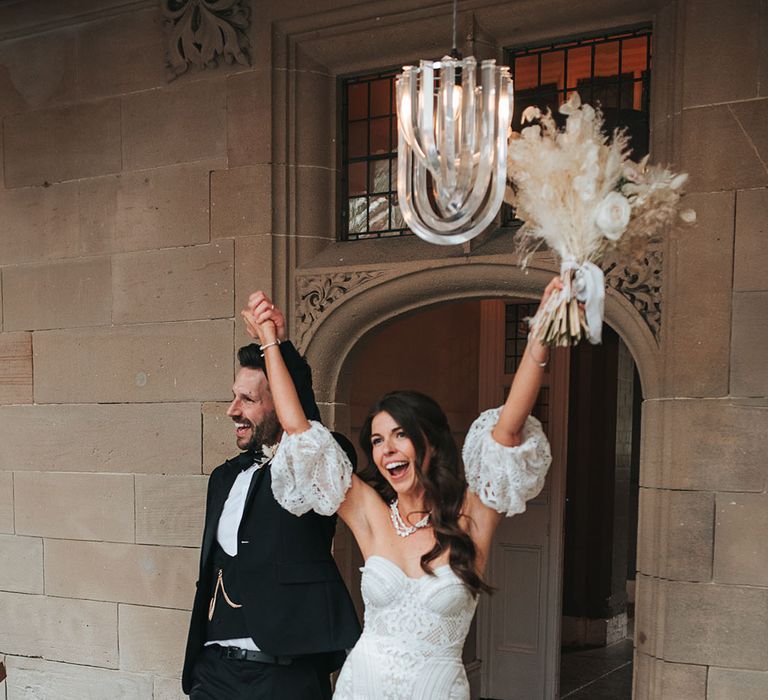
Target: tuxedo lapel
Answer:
pixel 258 477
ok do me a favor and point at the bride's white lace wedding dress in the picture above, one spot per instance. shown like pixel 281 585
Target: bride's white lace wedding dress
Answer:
pixel 414 628
pixel 413 633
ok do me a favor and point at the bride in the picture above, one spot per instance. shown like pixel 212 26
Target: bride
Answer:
pixel 422 519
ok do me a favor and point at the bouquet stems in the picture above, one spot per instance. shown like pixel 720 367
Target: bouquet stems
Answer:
pixel 560 322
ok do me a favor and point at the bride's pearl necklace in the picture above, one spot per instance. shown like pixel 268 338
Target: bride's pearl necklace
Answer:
pixel 400 527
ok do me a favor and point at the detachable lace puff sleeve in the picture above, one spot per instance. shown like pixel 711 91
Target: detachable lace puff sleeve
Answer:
pixel 505 477
pixel 310 472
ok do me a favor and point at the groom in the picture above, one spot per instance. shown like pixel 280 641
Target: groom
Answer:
pixel 271 616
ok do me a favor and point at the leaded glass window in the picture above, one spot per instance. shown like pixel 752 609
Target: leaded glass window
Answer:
pixel 369 158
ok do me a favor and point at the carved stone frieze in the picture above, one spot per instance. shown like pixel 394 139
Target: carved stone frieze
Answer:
pixel 203 33
pixel 317 293
pixel 640 282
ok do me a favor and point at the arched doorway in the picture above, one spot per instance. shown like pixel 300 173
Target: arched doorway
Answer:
pixel 600 522
pixel 464 354
pixel 424 315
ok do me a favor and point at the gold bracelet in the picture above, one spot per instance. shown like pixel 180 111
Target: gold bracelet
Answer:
pixel 535 361
pixel 268 345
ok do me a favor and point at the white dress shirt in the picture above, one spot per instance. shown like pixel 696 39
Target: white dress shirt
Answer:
pixel 226 535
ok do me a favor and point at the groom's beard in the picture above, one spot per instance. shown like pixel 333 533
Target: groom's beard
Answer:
pixel 265 433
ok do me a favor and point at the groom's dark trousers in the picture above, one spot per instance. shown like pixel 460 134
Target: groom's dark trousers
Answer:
pixel 295 605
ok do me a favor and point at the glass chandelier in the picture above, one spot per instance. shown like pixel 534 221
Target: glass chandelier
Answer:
pixel 452 145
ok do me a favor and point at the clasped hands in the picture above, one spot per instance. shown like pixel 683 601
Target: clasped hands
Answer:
pixel 263 322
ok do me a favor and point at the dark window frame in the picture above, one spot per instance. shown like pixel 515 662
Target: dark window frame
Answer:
pixel 595 39
pixel 390 195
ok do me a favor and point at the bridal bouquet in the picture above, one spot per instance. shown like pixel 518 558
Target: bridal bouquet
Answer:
pixel 578 192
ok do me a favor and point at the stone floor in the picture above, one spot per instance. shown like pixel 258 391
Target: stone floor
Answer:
pixel 597 674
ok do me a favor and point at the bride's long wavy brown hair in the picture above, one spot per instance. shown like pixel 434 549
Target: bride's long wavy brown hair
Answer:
pixel 445 486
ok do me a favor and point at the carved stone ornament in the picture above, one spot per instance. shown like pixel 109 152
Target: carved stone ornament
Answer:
pixel 316 293
pixel 640 283
pixel 204 33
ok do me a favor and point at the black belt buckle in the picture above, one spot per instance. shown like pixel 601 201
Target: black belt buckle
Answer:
pixel 235 653
pixel 250 655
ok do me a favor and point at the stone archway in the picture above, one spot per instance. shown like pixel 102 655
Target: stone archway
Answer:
pixel 353 305
pixel 354 311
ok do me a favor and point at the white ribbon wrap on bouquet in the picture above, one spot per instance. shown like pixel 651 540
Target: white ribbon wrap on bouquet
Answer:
pixel 589 289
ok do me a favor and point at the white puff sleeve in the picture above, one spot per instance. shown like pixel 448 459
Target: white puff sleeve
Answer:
pixel 310 471
pixel 504 478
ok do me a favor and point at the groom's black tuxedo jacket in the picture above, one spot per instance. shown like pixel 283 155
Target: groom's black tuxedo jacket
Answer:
pixel 294 599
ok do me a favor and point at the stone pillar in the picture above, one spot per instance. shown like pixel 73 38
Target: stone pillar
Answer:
pixel 702 627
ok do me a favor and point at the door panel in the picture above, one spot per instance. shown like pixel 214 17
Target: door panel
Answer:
pixel 521 569
pixel 519 626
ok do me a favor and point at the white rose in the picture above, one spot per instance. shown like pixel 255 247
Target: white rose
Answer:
pixel 612 215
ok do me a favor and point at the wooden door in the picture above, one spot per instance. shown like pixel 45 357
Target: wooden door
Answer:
pixel 519 626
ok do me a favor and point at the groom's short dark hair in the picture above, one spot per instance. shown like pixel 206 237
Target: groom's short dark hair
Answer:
pixel 250 356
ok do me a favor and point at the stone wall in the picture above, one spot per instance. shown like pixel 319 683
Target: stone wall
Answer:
pixel 135 215
pixel 702 596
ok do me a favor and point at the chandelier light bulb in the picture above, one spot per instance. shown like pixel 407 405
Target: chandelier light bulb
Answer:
pixel 452 146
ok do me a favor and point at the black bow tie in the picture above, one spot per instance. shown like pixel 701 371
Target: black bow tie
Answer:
pixel 256 456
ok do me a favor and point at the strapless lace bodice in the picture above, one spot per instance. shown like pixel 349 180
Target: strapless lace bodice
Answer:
pixel 412 638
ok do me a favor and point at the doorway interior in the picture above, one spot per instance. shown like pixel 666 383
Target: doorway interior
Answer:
pixel 601 507
pixel 464 354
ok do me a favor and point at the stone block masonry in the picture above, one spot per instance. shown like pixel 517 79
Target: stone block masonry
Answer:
pixel 135 217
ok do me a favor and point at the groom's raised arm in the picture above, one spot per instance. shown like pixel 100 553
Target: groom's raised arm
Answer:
pixel 301 373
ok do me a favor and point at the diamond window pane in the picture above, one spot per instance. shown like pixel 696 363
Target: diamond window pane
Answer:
pixel 379 176
pixel 358 176
pixel 357 140
pixel 378 213
pixel 634 56
pixel 357 218
pixel 357 101
pixel 607 59
pixel 553 69
pixel 526 72
pixel 380 129
pixel 579 65
pixel 380 92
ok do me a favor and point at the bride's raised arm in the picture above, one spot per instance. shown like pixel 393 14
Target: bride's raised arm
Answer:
pixel 525 386
pixel 310 471
pixel 506 454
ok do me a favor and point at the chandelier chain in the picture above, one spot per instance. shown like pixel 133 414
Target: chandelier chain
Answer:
pixel 454 48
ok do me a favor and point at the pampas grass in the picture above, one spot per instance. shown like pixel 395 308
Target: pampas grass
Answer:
pixel 578 192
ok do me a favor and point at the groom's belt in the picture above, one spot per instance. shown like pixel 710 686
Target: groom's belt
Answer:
pixel 250 655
